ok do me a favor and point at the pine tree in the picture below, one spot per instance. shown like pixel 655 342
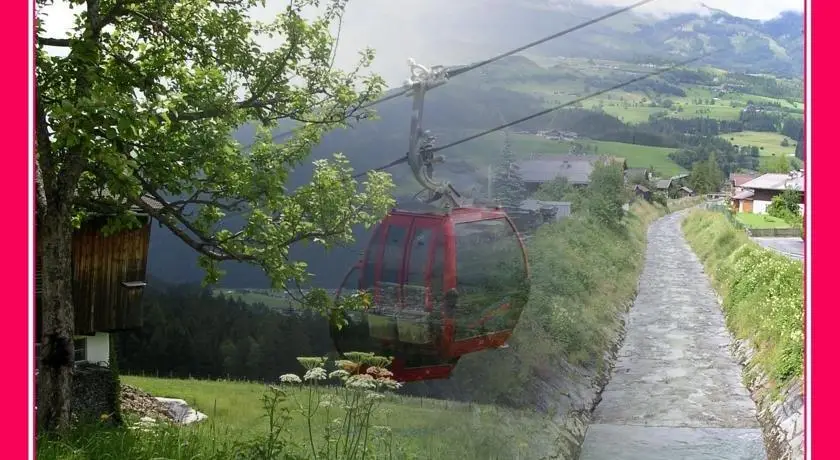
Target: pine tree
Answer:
pixel 508 188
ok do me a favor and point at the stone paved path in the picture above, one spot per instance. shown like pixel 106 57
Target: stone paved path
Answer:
pixel 676 391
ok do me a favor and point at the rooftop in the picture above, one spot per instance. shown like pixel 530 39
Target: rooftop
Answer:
pixel 776 182
pixel 575 171
pixel 739 180
pixel 743 195
pixel 663 183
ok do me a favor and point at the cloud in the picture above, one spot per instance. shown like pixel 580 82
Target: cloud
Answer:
pixel 752 9
pixel 454 31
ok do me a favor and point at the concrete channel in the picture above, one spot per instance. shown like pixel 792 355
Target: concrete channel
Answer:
pixel 676 391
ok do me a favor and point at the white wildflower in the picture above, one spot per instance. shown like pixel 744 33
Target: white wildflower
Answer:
pixel 339 374
pixel 317 373
pixel 290 378
pixel 361 382
pixel 390 384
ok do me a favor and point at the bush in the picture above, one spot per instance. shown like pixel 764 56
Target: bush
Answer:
pixel 762 292
pixel 785 206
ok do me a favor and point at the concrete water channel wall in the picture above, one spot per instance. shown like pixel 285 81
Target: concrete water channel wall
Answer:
pixel 680 387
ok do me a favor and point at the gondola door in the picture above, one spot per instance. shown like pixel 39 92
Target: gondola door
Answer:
pixel 491 283
pixel 420 324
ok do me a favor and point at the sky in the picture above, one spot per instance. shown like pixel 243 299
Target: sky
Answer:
pixel 430 30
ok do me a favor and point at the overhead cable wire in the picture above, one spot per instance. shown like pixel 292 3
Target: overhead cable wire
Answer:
pixel 570 103
pixel 467 68
pixel 543 112
pixel 454 71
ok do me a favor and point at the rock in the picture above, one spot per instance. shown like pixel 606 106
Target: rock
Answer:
pixel 181 412
pixel 136 401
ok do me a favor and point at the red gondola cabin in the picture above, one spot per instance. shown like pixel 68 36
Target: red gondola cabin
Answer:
pixel 444 284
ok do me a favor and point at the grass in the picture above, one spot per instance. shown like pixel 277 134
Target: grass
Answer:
pixel 582 276
pixel 769 143
pixel 420 425
pixel 641 156
pixel 486 151
pixel 421 428
pixel 752 220
pixel 762 292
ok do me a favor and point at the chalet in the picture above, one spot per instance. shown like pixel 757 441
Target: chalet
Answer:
pixel 109 274
pixel 664 185
pixel 642 191
pixel 737 180
pixel 632 173
pixel 755 195
pixel 551 211
pixel 680 179
pixel 576 169
pixel 684 192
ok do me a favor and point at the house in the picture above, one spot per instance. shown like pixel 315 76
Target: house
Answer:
pixel 684 192
pixel 576 169
pixel 632 173
pixel 737 180
pixel 550 210
pixel 537 172
pixel 679 180
pixel 755 195
pixel 642 191
pixel 663 185
pixel 109 274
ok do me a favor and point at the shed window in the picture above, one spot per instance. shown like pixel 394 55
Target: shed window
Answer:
pixel 80 350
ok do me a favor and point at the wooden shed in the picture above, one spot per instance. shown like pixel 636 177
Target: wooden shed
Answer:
pixel 109 274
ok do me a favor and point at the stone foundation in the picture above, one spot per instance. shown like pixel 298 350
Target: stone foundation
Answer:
pixel 95 393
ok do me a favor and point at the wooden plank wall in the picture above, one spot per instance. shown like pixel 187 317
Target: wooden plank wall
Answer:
pixel 101 264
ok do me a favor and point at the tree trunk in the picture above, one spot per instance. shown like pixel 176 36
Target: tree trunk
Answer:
pixel 55 372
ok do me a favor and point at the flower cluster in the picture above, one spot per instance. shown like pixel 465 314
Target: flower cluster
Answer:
pixel 354 375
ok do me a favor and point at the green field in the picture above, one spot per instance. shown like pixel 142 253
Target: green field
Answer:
pixel 641 156
pixel 761 221
pixel 769 143
pixel 423 427
pixel 272 299
pixel 487 150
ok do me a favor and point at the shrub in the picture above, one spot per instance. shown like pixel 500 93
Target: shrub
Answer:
pixel 786 206
pixel 762 292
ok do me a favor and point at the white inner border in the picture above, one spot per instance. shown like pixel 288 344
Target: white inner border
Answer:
pixel 808 214
pixel 30 155
pixel 31 229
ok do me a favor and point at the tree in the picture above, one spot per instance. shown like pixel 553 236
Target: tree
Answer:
pixel 786 205
pixel 138 112
pixel 778 164
pixel 706 176
pixel 606 194
pixel 508 185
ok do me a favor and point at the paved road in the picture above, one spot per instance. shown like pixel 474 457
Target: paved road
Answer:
pixel 791 247
pixel 676 392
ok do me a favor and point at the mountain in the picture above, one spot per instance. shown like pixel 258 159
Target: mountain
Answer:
pixel 469 30
pixel 468 105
